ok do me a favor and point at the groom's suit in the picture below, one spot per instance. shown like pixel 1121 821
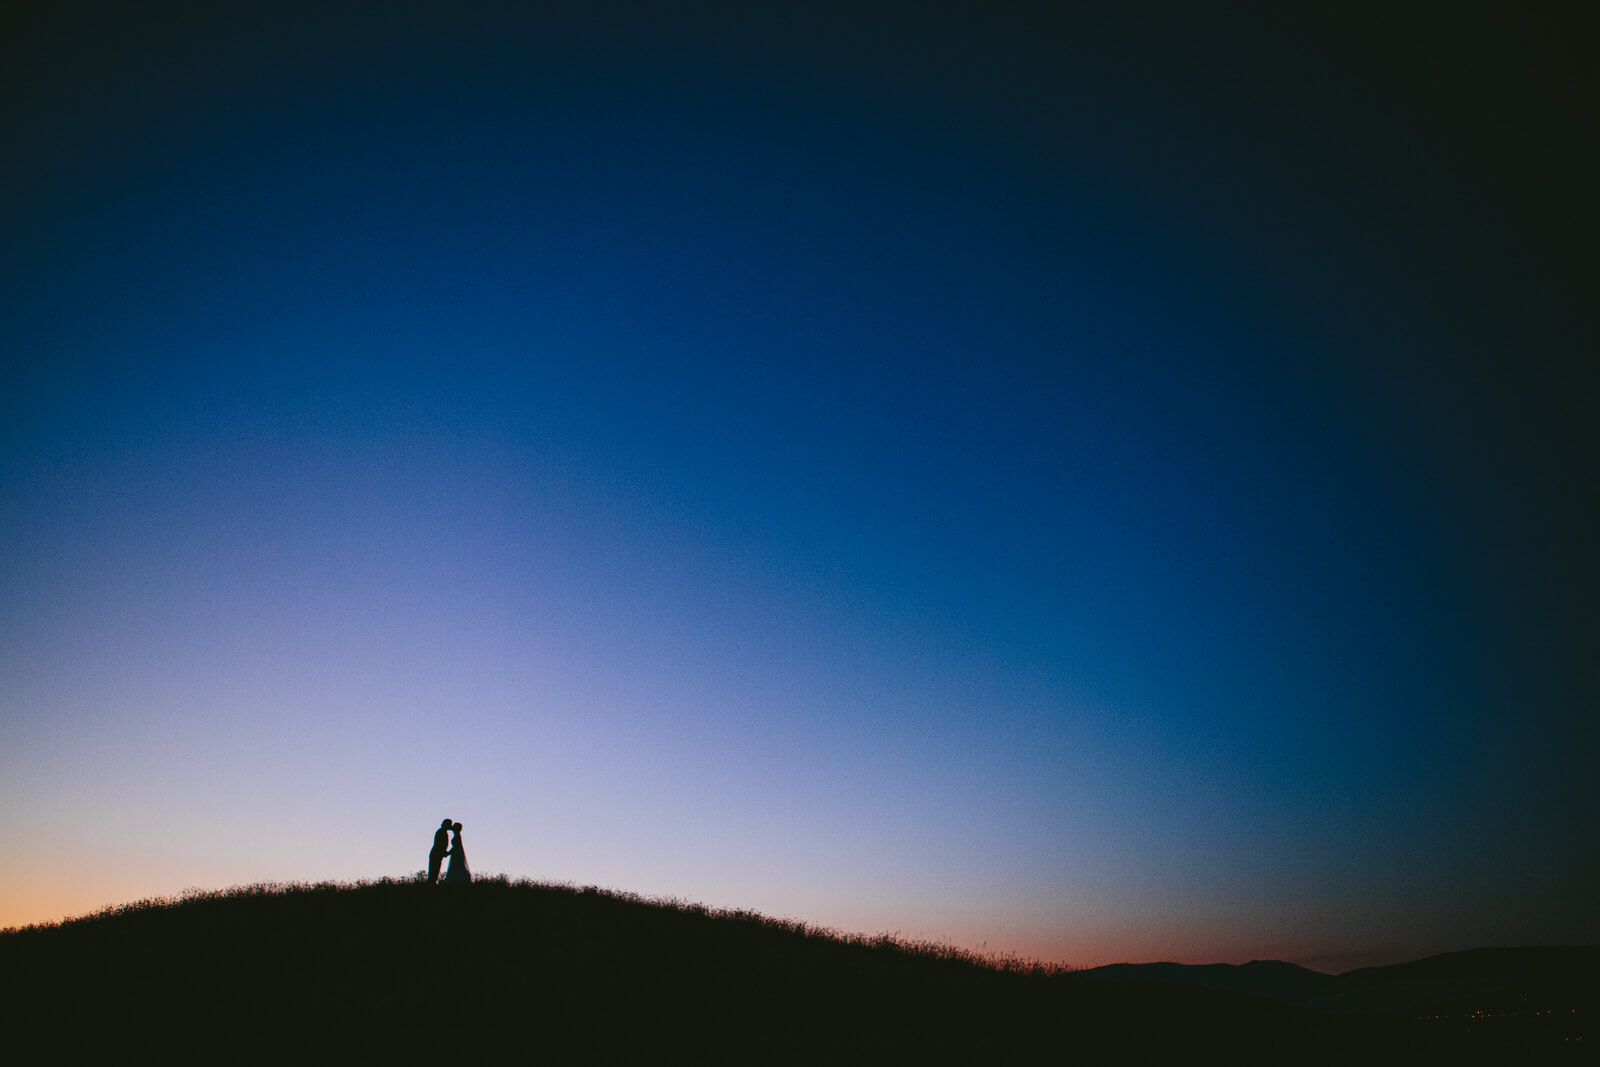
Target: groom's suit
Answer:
pixel 441 845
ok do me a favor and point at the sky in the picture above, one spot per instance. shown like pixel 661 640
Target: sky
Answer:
pixel 1093 482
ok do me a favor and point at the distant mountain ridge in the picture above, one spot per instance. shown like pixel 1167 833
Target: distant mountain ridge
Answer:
pixel 1260 978
pixel 1484 980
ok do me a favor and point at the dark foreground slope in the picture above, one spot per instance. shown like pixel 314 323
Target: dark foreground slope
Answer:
pixel 529 971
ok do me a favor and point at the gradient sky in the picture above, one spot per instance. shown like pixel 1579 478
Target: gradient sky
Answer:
pixel 1095 482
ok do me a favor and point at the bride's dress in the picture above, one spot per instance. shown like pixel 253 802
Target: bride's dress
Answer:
pixel 457 871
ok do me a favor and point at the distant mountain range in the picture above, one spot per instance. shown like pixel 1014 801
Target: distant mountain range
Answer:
pixel 1480 983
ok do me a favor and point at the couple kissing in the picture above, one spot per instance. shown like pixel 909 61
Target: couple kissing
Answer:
pixel 457 872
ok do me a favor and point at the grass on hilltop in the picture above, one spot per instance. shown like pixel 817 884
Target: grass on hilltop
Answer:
pixel 546 895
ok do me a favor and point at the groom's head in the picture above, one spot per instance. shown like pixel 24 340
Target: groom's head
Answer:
pixel 445 825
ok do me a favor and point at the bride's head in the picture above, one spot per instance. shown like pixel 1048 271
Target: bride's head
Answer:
pixel 456 828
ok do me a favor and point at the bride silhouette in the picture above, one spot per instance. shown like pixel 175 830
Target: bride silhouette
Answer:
pixel 457 872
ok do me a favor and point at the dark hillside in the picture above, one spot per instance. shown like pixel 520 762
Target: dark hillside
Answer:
pixel 1518 1004
pixel 1263 978
pixel 549 972
pixel 1484 982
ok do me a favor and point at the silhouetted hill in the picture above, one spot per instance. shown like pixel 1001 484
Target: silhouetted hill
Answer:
pixel 1262 978
pixel 1483 982
pixel 533 971
pixel 1479 981
pixel 1488 1000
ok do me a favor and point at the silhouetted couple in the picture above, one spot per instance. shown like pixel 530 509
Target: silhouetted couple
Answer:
pixel 457 872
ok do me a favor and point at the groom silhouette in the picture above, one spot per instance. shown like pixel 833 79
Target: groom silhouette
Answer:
pixel 441 845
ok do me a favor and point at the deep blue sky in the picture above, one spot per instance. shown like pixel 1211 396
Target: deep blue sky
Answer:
pixel 1103 484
